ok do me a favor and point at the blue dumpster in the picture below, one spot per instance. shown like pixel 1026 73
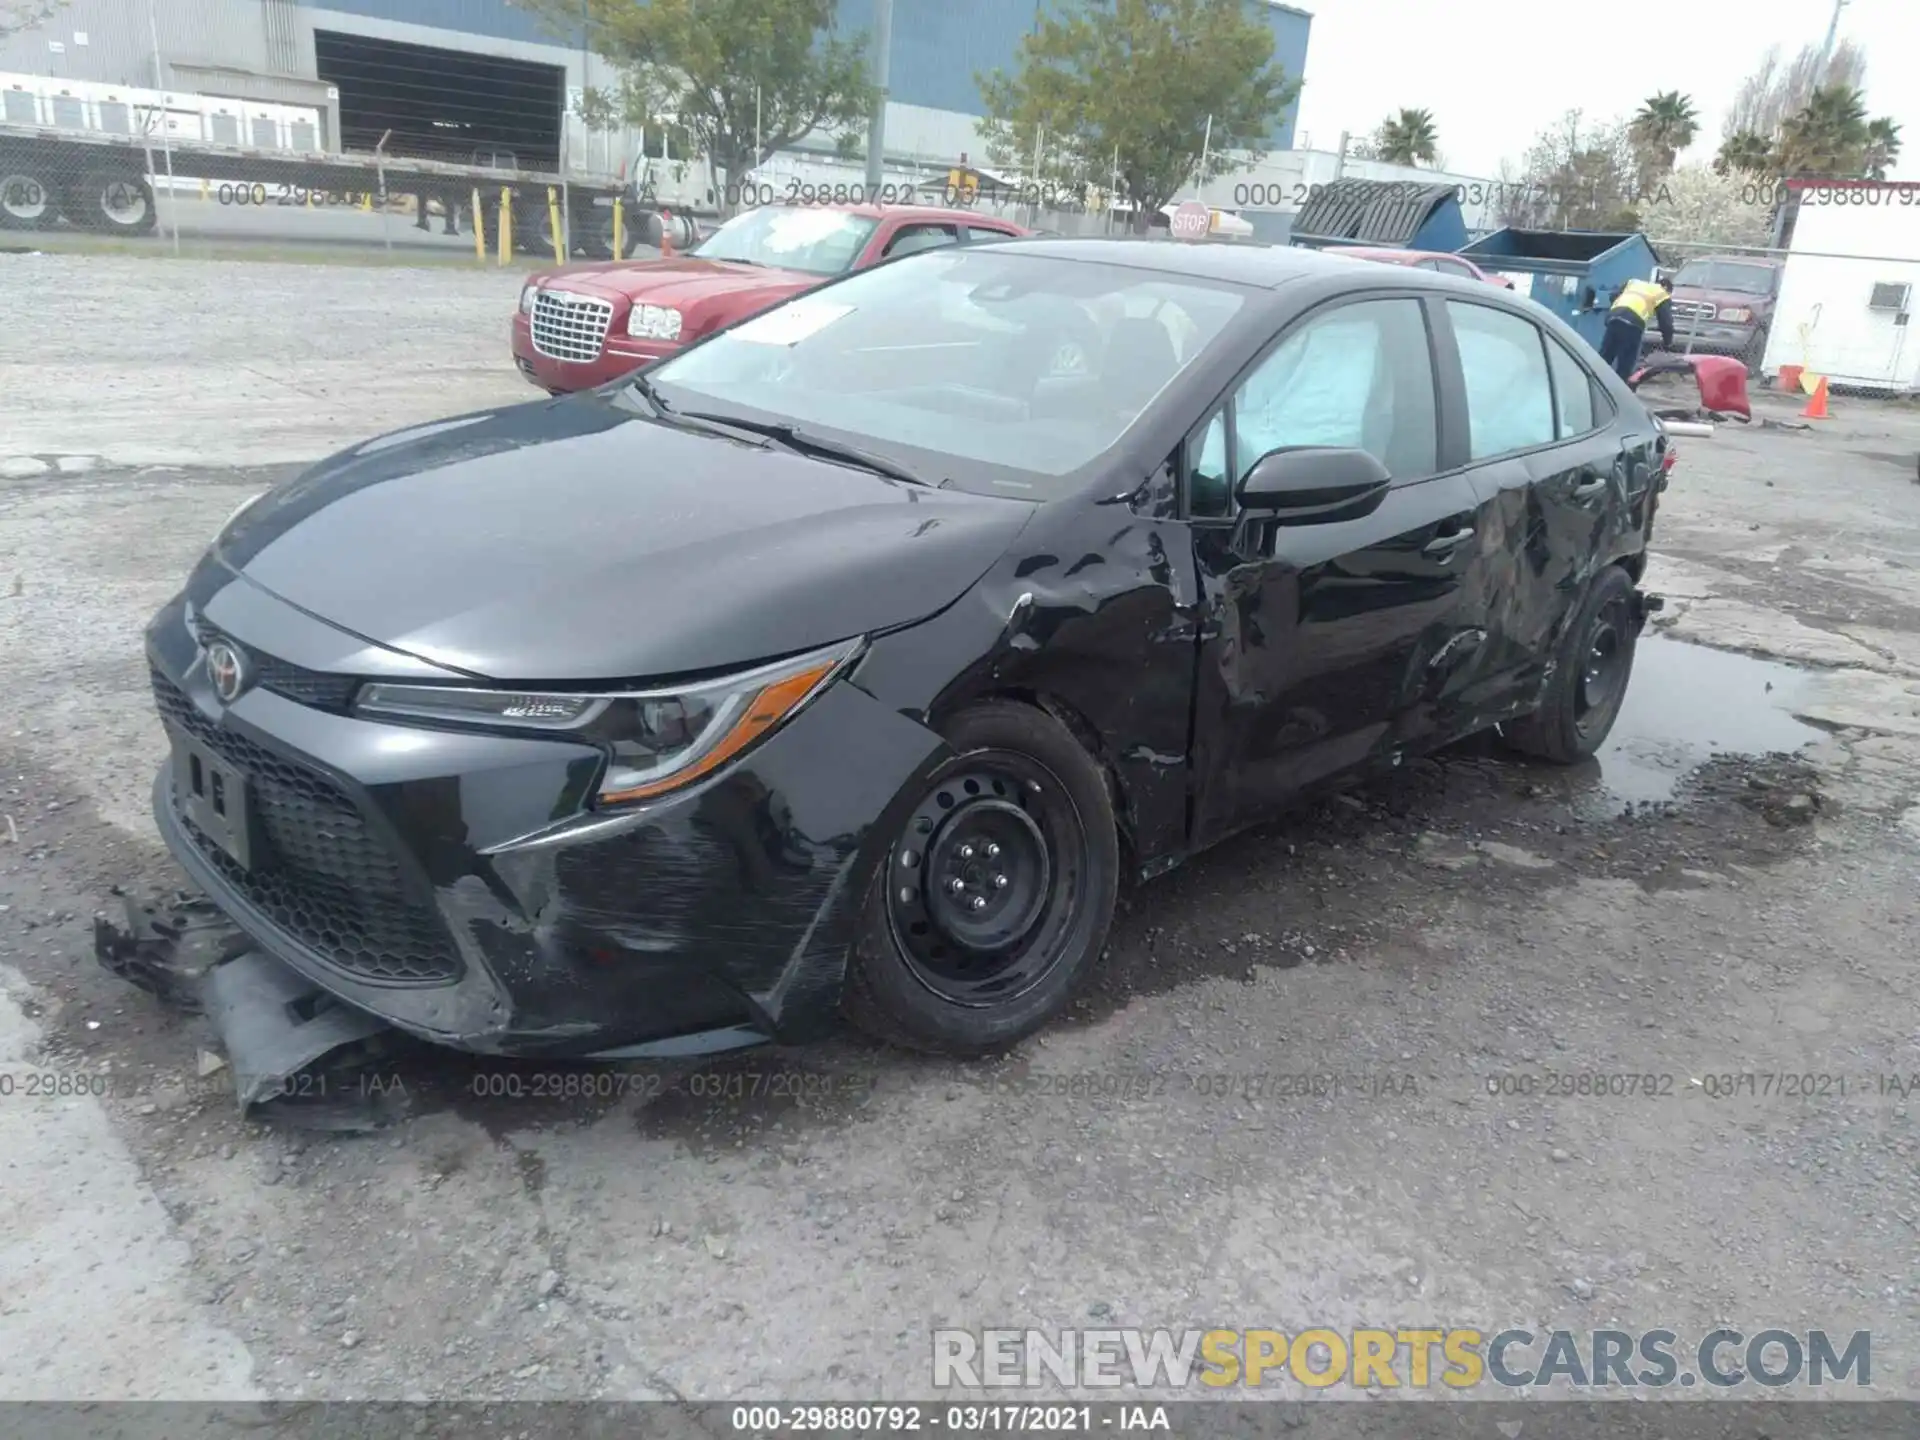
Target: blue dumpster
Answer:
pixel 1391 214
pixel 1576 273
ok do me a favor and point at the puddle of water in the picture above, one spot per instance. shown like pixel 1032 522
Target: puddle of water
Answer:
pixel 1687 704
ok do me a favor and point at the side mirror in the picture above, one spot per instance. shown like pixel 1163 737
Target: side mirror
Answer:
pixel 1314 485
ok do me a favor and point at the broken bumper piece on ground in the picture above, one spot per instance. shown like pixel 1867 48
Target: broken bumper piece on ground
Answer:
pixel 296 1053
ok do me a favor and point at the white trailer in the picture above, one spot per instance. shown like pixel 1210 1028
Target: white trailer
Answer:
pixel 1848 291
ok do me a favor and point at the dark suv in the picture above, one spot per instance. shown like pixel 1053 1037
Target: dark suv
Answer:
pixel 1723 305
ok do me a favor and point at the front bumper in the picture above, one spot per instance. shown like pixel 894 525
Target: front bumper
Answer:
pixel 618 356
pixel 457 885
pixel 1709 339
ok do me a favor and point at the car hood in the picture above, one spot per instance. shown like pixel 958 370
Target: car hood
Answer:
pixel 678 282
pixel 576 540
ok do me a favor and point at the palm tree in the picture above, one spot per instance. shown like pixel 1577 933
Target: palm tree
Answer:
pixel 1665 125
pixel 1744 153
pixel 1408 138
pixel 1828 138
pixel 1882 148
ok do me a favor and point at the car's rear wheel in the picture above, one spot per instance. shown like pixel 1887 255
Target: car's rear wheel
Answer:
pixel 1589 679
pixel 993 900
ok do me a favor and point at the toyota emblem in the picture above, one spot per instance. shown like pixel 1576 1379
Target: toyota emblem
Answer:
pixel 227 670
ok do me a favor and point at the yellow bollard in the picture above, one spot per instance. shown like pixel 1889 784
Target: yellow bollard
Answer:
pixel 206 190
pixel 479 229
pixel 553 219
pixel 366 200
pixel 506 224
pixel 619 236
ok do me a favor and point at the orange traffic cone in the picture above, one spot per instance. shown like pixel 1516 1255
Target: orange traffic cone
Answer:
pixel 1817 406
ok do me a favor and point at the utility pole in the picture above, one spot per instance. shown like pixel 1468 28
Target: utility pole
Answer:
pixel 877 126
pixel 1826 50
pixel 1783 214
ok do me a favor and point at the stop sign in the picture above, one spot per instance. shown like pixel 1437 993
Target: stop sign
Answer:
pixel 1191 221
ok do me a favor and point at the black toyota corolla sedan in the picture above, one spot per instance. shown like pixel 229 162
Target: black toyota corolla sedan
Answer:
pixel 851 660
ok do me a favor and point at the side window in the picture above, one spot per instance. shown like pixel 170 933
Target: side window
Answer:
pixel 982 235
pixel 1572 391
pixel 1454 267
pixel 1359 375
pixel 909 238
pixel 1509 398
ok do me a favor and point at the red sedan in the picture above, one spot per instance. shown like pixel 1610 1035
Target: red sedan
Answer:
pixel 582 325
pixel 1439 260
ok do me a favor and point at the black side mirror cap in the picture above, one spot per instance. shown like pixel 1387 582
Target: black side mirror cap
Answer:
pixel 1314 485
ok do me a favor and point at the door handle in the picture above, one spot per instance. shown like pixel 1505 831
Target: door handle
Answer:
pixel 1589 487
pixel 1448 543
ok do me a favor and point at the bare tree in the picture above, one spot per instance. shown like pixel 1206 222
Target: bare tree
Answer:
pixel 1777 90
pixel 1575 176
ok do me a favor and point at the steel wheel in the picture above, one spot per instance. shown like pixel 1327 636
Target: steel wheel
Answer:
pixel 1593 666
pixel 1607 663
pixel 987 879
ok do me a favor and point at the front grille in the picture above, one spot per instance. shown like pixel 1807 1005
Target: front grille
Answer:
pixel 569 326
pixel 1692 310
pixel 318 688
pixel 319 873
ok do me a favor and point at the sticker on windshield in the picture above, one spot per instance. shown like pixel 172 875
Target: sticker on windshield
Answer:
pixel 791 323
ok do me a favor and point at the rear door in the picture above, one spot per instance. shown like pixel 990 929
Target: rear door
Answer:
pixel 1556 482
pixel 1329 645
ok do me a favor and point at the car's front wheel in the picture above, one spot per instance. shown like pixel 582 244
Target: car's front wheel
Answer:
pixel 1589 679
pixel 993 901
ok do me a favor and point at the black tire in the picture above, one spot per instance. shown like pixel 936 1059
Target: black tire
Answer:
pixel 113 202
pixel 1590 677
pixel 927 972
pixel 27 200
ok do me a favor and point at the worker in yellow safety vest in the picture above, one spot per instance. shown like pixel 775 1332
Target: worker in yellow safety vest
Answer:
pixel 1639 304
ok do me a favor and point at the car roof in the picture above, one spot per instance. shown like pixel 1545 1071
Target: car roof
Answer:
pixel 1246 263
pixel 913 212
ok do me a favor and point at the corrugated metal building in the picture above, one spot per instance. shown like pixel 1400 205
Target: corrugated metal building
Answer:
pixel 266 50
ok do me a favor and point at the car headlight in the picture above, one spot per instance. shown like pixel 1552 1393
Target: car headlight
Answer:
pixel 653 322
pixel 527 292
pixel 656 740
pixel 1738 314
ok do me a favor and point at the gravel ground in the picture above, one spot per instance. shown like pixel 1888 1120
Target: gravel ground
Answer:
pixel 1729 891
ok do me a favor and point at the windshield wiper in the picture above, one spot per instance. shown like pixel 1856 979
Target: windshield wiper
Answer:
pixel 807 443
pixel 699 424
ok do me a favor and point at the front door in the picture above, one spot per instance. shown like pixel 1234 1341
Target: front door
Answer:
pixel 1328 646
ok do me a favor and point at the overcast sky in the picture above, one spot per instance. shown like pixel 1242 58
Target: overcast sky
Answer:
pixel 1493 78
